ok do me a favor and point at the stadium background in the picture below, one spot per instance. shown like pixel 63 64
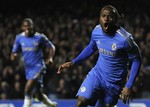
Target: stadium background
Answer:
pixel 68 24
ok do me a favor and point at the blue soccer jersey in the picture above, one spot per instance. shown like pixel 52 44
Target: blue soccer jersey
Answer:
pixel 31 49
pixel 114 52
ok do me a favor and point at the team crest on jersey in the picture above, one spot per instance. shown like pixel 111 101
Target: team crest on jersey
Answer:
pixel 35 43
pixel 114 46
pixel 23 44
pixel 83 89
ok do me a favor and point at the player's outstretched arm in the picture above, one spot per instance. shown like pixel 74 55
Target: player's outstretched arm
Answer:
pixel 64 66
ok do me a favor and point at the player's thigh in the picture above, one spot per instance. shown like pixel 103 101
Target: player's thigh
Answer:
pixel 39 84
pixel 102 104
pixel 111 100
pixel 30 85
pixel 82 102
pixel 112 97
pixel 34 77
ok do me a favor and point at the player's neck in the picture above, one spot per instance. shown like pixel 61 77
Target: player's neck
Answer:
pixel 112 31
pixel 31 34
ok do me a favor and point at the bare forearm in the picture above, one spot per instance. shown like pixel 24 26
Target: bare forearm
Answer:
pixel 13 56
pixel 50 56
pixel 51 52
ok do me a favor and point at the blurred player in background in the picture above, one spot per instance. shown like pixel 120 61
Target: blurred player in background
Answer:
pixel 106 80
pixel 31 45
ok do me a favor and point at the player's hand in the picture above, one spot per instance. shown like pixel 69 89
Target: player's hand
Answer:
pixel 13 56
pixel 64 66
pixel 126 95
pixel 49 61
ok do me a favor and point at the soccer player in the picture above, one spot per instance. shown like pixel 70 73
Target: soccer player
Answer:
pixel 31 45
pixel 106 80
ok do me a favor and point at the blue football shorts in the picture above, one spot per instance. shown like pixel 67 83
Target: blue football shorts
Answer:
pixel 34 72
pixel 98 91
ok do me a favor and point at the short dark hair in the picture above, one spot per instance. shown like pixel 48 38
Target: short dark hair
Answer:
pixel 30 21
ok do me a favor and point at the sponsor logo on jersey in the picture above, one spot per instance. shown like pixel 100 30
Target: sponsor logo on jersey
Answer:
pixel 29 49
pixel 107 52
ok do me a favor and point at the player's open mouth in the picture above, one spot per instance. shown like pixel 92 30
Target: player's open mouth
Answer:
pixel 106 26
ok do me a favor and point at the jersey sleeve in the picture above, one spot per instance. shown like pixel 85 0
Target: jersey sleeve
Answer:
pixel 132 49
pixel 87 52
pixel 46 42
pixel 16 46
pixel 135 58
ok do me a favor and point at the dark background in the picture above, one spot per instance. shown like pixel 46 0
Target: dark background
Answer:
pixel 68 24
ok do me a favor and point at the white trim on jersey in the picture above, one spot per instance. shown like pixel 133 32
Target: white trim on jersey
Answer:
pixel 22 34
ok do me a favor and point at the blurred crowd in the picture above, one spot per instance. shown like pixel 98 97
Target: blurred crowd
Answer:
pixel 70 32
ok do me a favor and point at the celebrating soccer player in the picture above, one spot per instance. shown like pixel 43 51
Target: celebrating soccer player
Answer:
pixel 104 83
pixel 31 45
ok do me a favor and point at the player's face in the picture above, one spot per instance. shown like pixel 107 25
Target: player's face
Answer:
pixel 107 20
pixel 27 28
